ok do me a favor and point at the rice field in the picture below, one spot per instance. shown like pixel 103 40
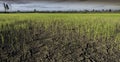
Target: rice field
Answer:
pixel 60 37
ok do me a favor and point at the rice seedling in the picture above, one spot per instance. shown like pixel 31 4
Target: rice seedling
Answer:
pixel 59 37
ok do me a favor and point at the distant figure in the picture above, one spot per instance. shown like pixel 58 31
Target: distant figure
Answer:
pixel 6 7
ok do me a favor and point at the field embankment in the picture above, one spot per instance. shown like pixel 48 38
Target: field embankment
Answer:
pixel 59 37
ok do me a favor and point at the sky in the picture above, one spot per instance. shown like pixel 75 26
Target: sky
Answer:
pixel 59 0
pixel 60 5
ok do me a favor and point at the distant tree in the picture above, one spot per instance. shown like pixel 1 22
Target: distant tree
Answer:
pixel 110 10
pixel 35 10
pixel 86 11
pixel 93 10
pixel 18 10
pixel 103 10
pixel 6 7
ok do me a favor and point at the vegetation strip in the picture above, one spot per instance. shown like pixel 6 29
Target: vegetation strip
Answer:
pixel 59 37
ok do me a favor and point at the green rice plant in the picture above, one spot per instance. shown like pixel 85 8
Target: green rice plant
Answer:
pixel 59 37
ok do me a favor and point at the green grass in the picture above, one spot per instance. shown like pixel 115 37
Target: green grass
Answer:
pixel 60 36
